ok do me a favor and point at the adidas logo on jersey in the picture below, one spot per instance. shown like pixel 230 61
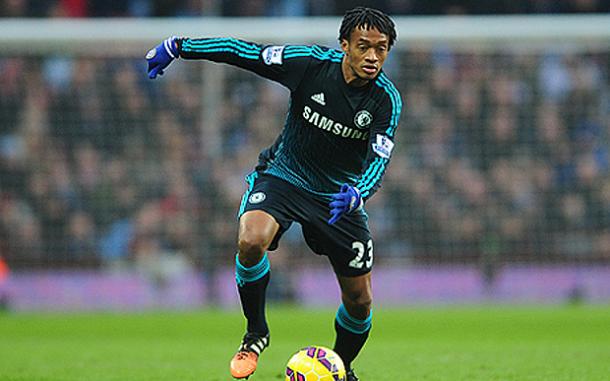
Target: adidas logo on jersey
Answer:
pixel 319 98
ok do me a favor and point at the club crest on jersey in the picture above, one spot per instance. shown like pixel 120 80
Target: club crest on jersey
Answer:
pixel 257 197
pixel 273 55
pixel 363 118
pixel 383 146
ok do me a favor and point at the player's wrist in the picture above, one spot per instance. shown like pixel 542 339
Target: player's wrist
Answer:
pixel 171 47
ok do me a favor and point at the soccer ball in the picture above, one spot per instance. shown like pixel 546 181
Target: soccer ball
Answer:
pixel 315 363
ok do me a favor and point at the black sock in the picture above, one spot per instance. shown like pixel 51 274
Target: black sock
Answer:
pixel 252 286
pixel 252 297
pixel 352 333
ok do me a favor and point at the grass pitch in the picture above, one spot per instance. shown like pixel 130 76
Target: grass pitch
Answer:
pixel 445 343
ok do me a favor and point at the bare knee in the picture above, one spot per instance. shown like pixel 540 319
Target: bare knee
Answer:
pixel 256 231
pixel 252 247
pixel 357 295
pixel 358 303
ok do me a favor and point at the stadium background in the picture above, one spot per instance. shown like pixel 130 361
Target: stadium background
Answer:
pixel 117 192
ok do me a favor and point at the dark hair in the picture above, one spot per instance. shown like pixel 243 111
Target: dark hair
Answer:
pixel 362 17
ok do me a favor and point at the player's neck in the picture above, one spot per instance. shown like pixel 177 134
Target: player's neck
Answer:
pixel 350 78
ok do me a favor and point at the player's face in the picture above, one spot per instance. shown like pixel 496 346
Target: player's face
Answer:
pixel 365 54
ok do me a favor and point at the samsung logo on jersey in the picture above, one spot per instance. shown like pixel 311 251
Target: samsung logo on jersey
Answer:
pixel 330 125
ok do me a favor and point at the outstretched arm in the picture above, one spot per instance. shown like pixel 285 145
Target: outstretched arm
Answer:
pixel 268 61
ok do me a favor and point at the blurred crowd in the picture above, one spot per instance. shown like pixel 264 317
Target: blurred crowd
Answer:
pixel 505 155
pixel 500 156
pixel 94 165
pixel 193 8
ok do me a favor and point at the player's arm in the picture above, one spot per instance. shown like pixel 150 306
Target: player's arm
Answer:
pixel 381 144
pixel 282 64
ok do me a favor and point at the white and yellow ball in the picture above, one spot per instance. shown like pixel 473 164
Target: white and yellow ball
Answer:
pixel 315 363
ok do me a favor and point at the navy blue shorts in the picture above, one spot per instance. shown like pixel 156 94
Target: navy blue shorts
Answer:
pixel 347 243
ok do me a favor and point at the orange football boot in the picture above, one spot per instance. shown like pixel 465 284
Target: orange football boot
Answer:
pixel 244 363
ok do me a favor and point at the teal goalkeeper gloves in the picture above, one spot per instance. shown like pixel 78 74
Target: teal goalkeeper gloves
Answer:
pixel 345 202
pixel 161 56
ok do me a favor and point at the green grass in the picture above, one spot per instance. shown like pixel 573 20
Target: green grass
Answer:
pixel 466 343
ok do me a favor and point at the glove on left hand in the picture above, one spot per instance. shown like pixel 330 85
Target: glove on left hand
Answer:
pixel 344 202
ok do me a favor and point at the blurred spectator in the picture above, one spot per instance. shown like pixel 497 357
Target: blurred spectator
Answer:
pixel 16 8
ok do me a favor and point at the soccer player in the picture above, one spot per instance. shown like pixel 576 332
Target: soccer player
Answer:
pixel 326 163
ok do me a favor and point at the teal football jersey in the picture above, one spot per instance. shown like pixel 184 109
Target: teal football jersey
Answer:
pixel 334 133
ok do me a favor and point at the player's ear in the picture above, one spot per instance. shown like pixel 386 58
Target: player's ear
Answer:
pixel 345 46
